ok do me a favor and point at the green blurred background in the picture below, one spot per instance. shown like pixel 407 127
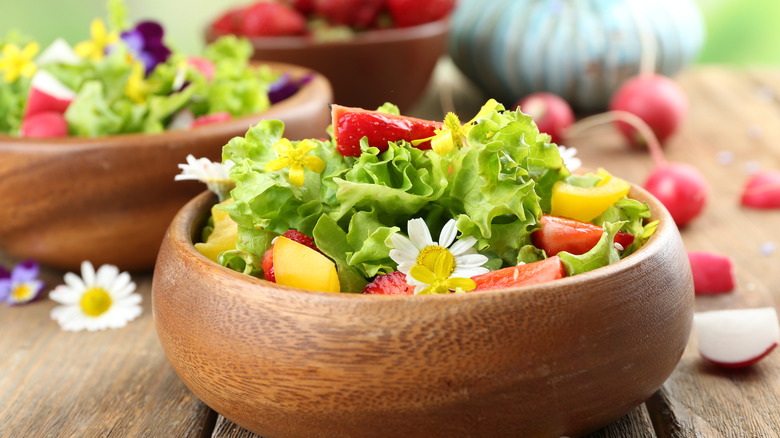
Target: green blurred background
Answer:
pixel 739 32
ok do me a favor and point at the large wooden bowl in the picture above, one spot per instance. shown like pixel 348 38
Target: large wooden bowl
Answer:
pixel 110 199
pixel 373 67
pixel 562 358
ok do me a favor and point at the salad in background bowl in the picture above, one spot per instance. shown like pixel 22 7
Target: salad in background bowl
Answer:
pixel 92 136
pixel 560 355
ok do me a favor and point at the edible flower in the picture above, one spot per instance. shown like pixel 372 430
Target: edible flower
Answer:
pixel 145 42
pixel 296 158
pixel 95 48
pixel 96 300
pixel 452 134
pixel 21 285
pixel 15 62
pixel 569 157
pixel 136 88
pixel 430 264
pixel 285 86
pixel 216 176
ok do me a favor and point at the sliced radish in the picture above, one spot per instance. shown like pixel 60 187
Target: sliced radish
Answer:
pixel 762 190
pixel 47 94
pixel 181 120
pixel 712 273
pixel 50 124
pixel 210 118
pixel 58 52
pixel 736 338
pixel 203 65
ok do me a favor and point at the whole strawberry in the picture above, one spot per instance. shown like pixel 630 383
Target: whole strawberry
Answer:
pixel 361 14
pixel 407 13
pixel 271 19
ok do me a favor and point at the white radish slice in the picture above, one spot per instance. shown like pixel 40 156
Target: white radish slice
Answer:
pixel 738 337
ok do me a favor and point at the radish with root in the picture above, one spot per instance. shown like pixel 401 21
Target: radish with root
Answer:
pixel 552 114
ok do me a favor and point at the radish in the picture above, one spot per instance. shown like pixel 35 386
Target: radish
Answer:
pixel 551 113
pixel 210 118
pixel 655 99
pixel 680 187
pixel 49 124
pixel 181 120
pixel 762 190
pixel 58 52
pixel 47 93
pixel 204 66
pixel 736 338
pixel 712 273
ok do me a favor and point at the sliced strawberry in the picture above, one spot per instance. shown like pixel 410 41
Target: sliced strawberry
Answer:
pixel 563 234
pixel 413 12
pixel 271 19
pixel 268 256
pixel 268 265
pixel 532 273
pixel 360 14
pixel 393 283
pixel 303 239
pixel 352 124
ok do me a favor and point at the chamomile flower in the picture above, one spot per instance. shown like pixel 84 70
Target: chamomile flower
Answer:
pixel 216 176
pixel 569 157
pixel 21 285
pixel 457 259
pixel 96 300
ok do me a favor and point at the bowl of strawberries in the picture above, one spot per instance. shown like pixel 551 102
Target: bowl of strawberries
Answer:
pixel 432 279
pixel 371 51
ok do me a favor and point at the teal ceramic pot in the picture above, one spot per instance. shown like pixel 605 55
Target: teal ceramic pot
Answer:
pixel 581 50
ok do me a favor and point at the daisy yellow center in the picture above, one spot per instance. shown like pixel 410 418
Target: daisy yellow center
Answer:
pixel 22 291
pixel 428 257
pixel 95 302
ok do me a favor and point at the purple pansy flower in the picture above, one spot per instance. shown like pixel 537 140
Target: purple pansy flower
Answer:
pixel 285 86
pixel 146 44
pixel 21 285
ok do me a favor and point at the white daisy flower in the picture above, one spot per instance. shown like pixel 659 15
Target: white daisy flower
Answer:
pixel 96 300
pixel 460 258
pixel 216 176
pixel 568 155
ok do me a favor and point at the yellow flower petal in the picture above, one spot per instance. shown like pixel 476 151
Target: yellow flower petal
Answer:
pixel 283 147
pixel 30 50
pixel 296 175
pixel 422 274
pixel 10 51
pixel 277 164
pixel 465 284
pixel 487 108
pixel 315 164
pixel 442 144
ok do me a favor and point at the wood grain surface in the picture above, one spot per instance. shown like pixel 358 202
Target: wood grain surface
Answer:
pixel 119 383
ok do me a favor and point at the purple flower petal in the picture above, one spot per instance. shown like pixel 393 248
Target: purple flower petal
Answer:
pixel 35 288
pixel 151 30
pixel 145 43
pixel 285 86
pixel 5 288
pixel 25 271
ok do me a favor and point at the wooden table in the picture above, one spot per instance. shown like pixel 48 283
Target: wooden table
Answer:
pixel 119 383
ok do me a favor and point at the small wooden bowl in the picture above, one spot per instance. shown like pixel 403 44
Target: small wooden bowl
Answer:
pixel 110 199
pixel 561 358
pixel 373 67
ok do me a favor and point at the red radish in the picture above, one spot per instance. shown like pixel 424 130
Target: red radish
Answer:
pixel 50 124
pixel 738 337
pixel 551 113
pixel 181 120
pixel 762 190
pixel 210 118
pixel 203 65
pixel 47 93
pixel 58 52
pixel 532 273
pixel 712 273
pixel 655 99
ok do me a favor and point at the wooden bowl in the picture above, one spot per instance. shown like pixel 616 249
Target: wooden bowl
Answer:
pixel 110 199
pixel 561 358
pixel 374 67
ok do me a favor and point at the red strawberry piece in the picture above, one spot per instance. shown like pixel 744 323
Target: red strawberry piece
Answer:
pixel 562 234
pixel 47 93
pixel 713 273
pixel 210 118
pixel 522 275
pixel 393 283
pixel 762 190
pixel 303 239
pixel 268 256
pixel 271 19
pixel 268 265
pixel 352 124
pixel 229 22
pixel 50 124
pixel 352 13
pixel 407 13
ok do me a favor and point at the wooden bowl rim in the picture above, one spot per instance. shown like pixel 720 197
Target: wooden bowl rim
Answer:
pixel 185 225
pixel 362 38
pixel 319 85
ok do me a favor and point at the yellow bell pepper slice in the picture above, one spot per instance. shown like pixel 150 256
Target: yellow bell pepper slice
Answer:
pixel 587 203
pixel 223 238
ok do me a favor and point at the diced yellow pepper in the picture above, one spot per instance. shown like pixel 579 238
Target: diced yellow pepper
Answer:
pixel 587 203
pixel 223 238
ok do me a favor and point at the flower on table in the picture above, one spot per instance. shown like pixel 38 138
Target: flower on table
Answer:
pixel 296 158
pixel 452 135
pixel 569 157
pixel 216 176
pixel 16 62
pixel 436 267
pixel 21 285
pixel 145 42
pixel 96 300
pixel 101 39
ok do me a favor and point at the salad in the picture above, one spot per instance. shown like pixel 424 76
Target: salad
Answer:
pixel 396 205
pixel 126 80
